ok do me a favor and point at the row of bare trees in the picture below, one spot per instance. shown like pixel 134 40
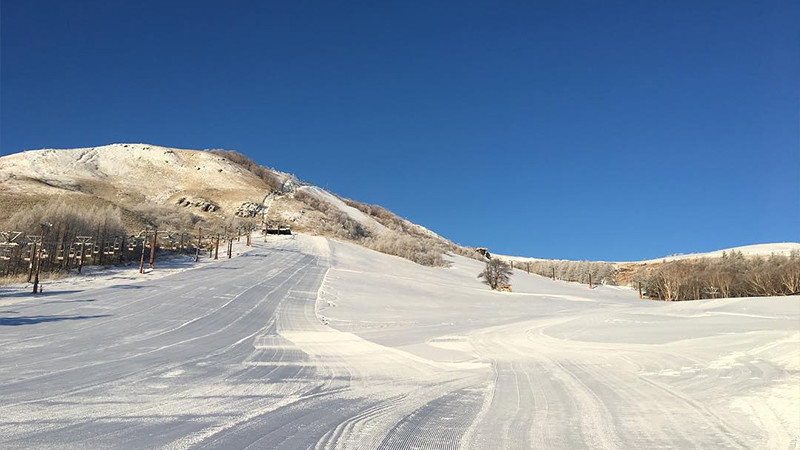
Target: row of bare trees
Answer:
pixel 575 271
pixel 58 237
pixel 732 275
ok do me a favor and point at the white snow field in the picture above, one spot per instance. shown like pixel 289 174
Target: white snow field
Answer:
pixel 311 343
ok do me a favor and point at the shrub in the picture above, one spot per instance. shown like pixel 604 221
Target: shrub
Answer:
pixel 265 174
pixel 496 273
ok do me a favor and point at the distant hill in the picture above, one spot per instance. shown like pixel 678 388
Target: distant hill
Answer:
pixel 777 248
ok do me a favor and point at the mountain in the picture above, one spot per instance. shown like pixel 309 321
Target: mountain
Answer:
pixel 172 187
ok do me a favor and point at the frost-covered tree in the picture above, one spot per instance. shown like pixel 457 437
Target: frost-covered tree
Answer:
pixel 496 273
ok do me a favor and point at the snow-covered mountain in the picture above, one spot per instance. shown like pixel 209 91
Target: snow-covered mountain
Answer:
pixel 132 175
pixel 216 186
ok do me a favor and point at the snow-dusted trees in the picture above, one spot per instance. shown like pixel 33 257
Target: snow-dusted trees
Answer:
pixel 339 224
pixel 577 271
pixel 261 172
pixel 69 220
pixel 422 251
pixel 733 275
pixel 496 273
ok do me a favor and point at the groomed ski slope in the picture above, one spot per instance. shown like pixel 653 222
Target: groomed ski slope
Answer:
pixel 310 343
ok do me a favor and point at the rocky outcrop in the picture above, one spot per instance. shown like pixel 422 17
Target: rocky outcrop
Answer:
pixel 203 204
pixel 248 209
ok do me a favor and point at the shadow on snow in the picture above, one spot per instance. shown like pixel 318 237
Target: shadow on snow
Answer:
pixel 33 320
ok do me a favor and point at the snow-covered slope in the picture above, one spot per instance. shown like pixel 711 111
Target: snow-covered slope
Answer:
pixel 778 248
pixel 572 367
pixel 315 343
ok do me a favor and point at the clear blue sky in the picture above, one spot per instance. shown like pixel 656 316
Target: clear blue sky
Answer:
pixel 596 130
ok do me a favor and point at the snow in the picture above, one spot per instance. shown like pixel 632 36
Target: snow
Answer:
pixel 630 372
pixel 306 342
pixel 777 248
pixel 95 277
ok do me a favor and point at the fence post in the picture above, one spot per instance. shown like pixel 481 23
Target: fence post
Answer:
pixel 199 243
pixel 153 250
pixel 45 226
pixel 32 256
pixel 141 260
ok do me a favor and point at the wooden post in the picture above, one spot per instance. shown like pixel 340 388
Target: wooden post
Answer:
pixel 640 289
pixel 528 267
pixel 199 243
pixel 30 263
pixel 230 248
pixel 152 250
pixel 122 250
pixel 83 250
pixel 38 263
pixel 141 260
pixel 554 274
pixel 216 250
pixel 590 281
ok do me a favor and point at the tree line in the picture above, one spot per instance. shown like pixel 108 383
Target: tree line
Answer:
pixel 574 271
pixel 732 275
pixel 60 236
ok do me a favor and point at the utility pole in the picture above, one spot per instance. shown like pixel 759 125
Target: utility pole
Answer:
pixel 144 244
pixel 45 226
pixel 153 249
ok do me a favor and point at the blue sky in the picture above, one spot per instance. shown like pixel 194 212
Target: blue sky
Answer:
pixel 583 130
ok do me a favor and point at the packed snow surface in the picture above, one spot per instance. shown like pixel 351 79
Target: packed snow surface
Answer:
pixel 311 343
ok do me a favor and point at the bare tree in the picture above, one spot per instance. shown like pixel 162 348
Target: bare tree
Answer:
pixel 496 273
